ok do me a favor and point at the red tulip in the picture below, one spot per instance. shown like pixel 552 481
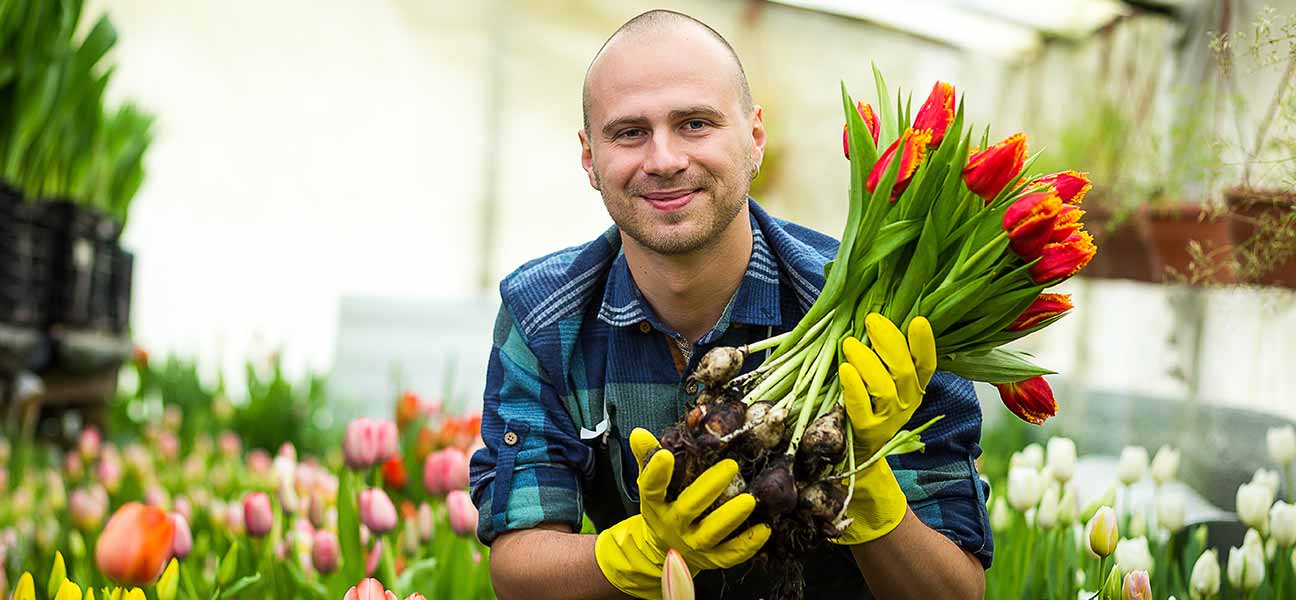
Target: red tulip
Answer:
pixel 394 472
pixel 1046 306
pixel 1029 222
pixel 914 144
pixel 870 120
pixel 1060 260
pixel 463 514
pixel 445 471
pixel 1032 399
pixel 937 112
pixel 135 545
pixel 1071 186
pixel 989 170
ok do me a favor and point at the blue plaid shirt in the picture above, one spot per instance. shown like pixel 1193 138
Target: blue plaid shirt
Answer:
pixel 578 352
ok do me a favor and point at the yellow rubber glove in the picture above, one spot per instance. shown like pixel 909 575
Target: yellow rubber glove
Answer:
pixel 882 386
pixel 632 552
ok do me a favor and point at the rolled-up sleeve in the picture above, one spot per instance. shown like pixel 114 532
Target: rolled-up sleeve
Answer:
pixel 530 468
pixel 941 483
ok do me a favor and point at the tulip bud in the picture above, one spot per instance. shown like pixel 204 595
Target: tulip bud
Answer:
pixel 1029 222
pixel 377 511
pixel 936 114
pixel 870 121
pixel 1137 586
pixel 1165 465
pixel 233 517
pixel 183 507
pixel 463 514
pixel 1062 458
pixel 989 171
pixel 169 583
pixel 134 545
pixel 912 148
pixel 360 444
pixel 393 473
pixel 67 591
pixel 1045 307
pixel 369 589
pixel 1024 488
pixel 258 516
pixel 1267 478
pixel 1061 259
pixel 1282 524
pixel 1031 456
pixel 1103 533
pixel 1047 515
pixel 58 574
pixel 1253 500
pixel 1205 579
pixel 1134 555
pixel 1133 464
pixel 1282 444
pixel 324 551
pixel 26 588
pixel 182 545
pixel 1171 511
pixel 1246 568
pixel 1000 517
pixel 426 522
pixel 89 442
pixel 445 470
pixel 388 441
pixel 676 581
pixel 88 506
pixel 1071 186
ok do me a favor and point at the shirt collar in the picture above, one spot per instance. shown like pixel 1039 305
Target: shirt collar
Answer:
pixel 755 303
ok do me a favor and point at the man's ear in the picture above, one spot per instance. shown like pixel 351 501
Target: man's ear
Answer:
pixel 587 158
pixel 758 133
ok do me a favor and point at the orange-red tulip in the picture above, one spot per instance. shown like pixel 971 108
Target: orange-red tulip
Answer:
pixel 1060 260
pixel 1032 399
pixel 394 474
pixel 1067 223
pixel 989 170
pixel 1071 186
pixel 135 545
pixel 1030 221
pixel 870 120
pixel 407 409
pixel 1046 306
pixel 937 112
pixel 914 144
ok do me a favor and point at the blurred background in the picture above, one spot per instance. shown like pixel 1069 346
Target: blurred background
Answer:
pixel 334 189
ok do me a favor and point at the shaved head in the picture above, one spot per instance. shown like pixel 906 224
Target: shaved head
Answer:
pixel 655 23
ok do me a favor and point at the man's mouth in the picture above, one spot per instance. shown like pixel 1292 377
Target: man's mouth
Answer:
pixel 670 200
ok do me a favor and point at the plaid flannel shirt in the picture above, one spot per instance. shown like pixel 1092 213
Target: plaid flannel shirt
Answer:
pixel 575 342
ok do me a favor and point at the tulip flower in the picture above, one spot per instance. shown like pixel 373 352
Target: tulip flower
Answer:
pixel 1165 465
pixel 1253 501
pixel 109 470
pixel 407 410
pixel 1024 488
pixel 936 113
pixel 1029 222
pixel 135 544
pixel 1282 444
pixel 1171 511
pixel 1045 307
pixel 870 121
pixel 88 506
pixel 1062 259
pixel 1071 186
pixel 1103 533
pixel 26 588
pixel 1268 478
pixel 258 516
pixel 169 583
pixel 393 472
pixel 989 170
pixel 1246 568
pixel 377 511
pixel 1032 456
pixel 1137 586
pixel 230 444
pixel 1046 517
pixel 912 147
pixel 1133 464
pixel 1031 400
pixel 182 544
pixel 445 470
pixel 676 581
pixel 360 443
pixel 369 589
pixel 1282 524
pixel 1205 579
pixel 463 514
pixel 1068 511
pixel 58 574
pixel 67 591
pixel 325 551
pixel 426 522
pixel 1134 555
pixel 1062 458
pixel 89 442
pixel 1000 515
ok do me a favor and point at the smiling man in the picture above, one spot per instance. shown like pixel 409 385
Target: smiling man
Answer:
pixel 593 343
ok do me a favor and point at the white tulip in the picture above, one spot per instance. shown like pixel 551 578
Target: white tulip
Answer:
pixel 1024 488
pixel 1133 464
pixel 1282 444
pixel 1000 516
pixel 1246 568
pixel 1033 455
pixel 1267 478
pixel 1047 516
pixel 1253 500
pixel 1062 458
pixel 1282 523
pixel 1253 541
pixel 1138 524
pixel 1134 555
pixel 1165 465
pixel 1080 577
pixel 1171 511
pixel 1205 579
pixel 1068 512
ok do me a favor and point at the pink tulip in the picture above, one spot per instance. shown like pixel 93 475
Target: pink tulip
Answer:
pixel 233 514
pixel 157 496
pixel 182 544
pixel 445 470
pixel 73 465
pixel 388 441
pixel 369 589
pixel 1136 586
pixel 230 444
pixel 168 445
pixel 89 442
pixel 109 470
pixel 463 514
pixel 183 507
pixel 377 511
pixel 426 522
pixel 258 461
pixel 360 444
pixel 324 551
pixel 375 554
pixel 88 507
pixel 258 516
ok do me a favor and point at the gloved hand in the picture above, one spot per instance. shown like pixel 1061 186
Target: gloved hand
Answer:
pixel 632 552
pixel 882 386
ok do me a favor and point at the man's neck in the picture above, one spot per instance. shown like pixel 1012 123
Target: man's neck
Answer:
pixel 689 292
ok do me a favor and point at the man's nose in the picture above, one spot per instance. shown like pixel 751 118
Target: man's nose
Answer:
pixel 665 158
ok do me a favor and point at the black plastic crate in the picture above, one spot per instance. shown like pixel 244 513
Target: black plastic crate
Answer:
pixel 122 278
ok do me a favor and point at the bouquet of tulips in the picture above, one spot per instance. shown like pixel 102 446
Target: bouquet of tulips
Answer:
pixel 936 228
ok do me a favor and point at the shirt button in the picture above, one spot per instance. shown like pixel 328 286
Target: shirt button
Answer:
pixel 644 327
pixel 510 438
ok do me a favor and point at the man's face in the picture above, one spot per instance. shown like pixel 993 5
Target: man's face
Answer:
pixel 670 147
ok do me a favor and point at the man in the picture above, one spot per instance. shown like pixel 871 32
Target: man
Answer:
pixel 594 342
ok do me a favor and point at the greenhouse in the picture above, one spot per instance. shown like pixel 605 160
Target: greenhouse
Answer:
pixel 738 299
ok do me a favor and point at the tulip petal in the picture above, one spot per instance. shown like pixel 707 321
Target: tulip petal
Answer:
pixel 913 147
pixel 989 170
pixel 937 112
pixel 1071 186
pixel 1060 260
pixel 1032 400
pixel 1045 307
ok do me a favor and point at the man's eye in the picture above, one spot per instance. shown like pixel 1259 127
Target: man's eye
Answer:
pixel 696 124
pixel 630 133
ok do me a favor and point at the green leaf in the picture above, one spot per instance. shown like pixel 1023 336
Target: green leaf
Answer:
pixel 886 111
pixel 353 556
pixel 414 570
pixel 241 585
pixel 999 365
